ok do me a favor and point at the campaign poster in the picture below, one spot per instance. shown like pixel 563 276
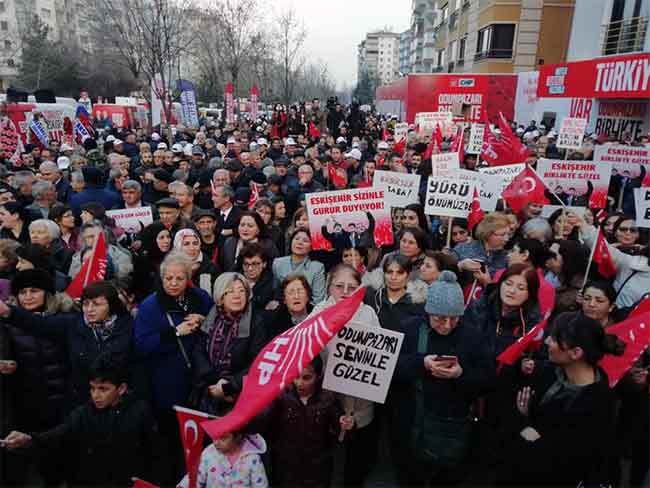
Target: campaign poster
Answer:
pixel 576 183
pixel 361 361
pixel 427 121
pixel 475 142
pixel 131 220
pixel 572 131
pixel 623 158
pixel 448 196
pixel 401 131
pixel 444 163
pixel 359 217
pixel 622 119
pixel 401 189
pixel 642 206
pixel 488 186
pixel 506 173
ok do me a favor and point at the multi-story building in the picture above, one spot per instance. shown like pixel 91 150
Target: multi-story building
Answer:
pixel 64 19
pixel 405 52
pixel 489 36
pixel 378 55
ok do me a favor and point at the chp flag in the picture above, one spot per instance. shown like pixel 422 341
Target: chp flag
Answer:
pixel 282 360
pixel 92 270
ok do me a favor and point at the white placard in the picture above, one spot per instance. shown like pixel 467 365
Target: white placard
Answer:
pixel 444 163
pixel 132 220
pixel 488 186
pixel 449 196
pixel 361 361
pixel 476 134
pixel 401 131
pixel 427 121
pixel 506 173
pixel 572 131
pixel 642 204
pixel 400 189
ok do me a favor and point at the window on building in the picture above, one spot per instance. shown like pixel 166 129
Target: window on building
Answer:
pixel 441 58
pixel 461 49
pixel 2 7
pixel 4 25
pixel 453 45
pixel 10 62
pixel 45 13
pixel 495 41
pixel 7 44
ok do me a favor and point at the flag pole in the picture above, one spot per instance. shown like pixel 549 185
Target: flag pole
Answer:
pixel 449 226
pixel 591 258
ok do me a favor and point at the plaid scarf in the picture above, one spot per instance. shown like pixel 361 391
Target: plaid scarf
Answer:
pixel 104 328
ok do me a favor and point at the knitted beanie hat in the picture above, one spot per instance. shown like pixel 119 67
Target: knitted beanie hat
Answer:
pixel 445 297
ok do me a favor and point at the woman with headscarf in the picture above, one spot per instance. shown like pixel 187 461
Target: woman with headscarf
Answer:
pixel 204 272
pixel 156 243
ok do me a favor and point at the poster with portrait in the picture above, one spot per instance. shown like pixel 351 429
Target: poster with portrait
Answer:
pixel 576 183
pixel 359 218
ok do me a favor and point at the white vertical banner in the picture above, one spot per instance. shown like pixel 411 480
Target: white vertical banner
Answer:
pixel 156 103
pixel 476 135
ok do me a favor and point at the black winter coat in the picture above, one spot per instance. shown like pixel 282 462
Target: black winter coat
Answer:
pixel 38 387
pixel 107 447
pixel 577 433
pixel 81 346
pixel 228 260
pixel 263 291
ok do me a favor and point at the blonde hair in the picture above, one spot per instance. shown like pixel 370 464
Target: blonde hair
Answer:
pixel 490 224
pixel 225 281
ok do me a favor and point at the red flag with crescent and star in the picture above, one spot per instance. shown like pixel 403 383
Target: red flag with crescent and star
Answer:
pixel 189 422
pixel 526 188
pixel 282 360
pixel 93 269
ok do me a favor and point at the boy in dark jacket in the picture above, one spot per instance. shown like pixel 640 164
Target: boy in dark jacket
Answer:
pixel 108 439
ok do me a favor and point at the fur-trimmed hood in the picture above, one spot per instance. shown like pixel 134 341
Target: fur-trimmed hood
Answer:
pixel 416 289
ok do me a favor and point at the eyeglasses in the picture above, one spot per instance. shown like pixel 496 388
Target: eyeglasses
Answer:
pixel 632 230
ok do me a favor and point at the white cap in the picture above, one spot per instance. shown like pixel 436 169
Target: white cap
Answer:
pixel 289 142
pixel 63 162
pixel 110 138
pixel 231 140
pixel 161 145
pixel 262 142
pixel 355 154
pixel 382 145
pixel 187 149
pixel 177 148
pixel 66 147
pixel 155 136
pixel 341 139
pixel 117 141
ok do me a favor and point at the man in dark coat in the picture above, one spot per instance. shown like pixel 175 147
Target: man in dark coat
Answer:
pixel 94 191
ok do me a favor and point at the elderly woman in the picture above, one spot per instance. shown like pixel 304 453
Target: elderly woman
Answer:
pixel 44 194
pixel 119 259
pixel 15 220
pixel 231 335
pixel 538 229
pixel 165 338
pixel 204 273
pixel 102 326
pixel 443 366
pixel 480 259
pixel 295 306
pixel 250 228
pixel 298 262
pixel 361 448
pixel 47 233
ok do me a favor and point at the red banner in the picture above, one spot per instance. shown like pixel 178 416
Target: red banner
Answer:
pixel 92 270
pixel 254 100
pixel 281 360
pixel 610 77
pixel 230 103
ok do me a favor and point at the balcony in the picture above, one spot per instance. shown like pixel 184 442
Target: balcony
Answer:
pixel 624 36
pixel 493 54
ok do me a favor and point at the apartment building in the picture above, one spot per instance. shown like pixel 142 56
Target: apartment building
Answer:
pixel 379 56
pixel 489 36
pixel 405 52
pixel 63 17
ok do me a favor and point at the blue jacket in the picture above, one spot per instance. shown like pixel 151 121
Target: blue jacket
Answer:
pixel 170 377
pixel 106 197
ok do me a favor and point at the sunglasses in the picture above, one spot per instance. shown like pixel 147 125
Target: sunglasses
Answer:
pixel 632 230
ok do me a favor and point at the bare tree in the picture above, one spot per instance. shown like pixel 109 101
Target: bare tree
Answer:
pixel 291 36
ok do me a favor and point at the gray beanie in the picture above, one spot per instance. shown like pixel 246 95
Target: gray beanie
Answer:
pixel 445 296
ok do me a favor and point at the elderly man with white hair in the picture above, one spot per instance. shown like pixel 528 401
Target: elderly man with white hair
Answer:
pixel 44 195
pixel 47 234
pixel 51 172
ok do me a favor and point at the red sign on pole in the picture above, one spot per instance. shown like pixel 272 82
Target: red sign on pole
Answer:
pixel 230 104
pixel 254 100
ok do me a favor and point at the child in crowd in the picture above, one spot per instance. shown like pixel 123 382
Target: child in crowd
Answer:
pixel 108 439
pixel 233 460
pixel 302 426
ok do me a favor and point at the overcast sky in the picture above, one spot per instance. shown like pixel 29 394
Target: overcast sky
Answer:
pixel 336 27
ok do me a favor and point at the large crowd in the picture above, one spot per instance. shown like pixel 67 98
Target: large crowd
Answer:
pixel 188 301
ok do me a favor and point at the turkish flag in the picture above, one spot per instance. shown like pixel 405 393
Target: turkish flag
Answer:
pixel 282 360
pixel 93 269
pixel 526 188
pixel 435 144
pixel 192 437
pixel 138 483
pixel 399 146
pixel 337 179
pixel 458 144
pixel 643 308
pixel 635 332
pixel 471 292
pixel 529 342
pixel 313 131
pixel 602 257
pixel 475 212
pixel 518 151
pixel 255 195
